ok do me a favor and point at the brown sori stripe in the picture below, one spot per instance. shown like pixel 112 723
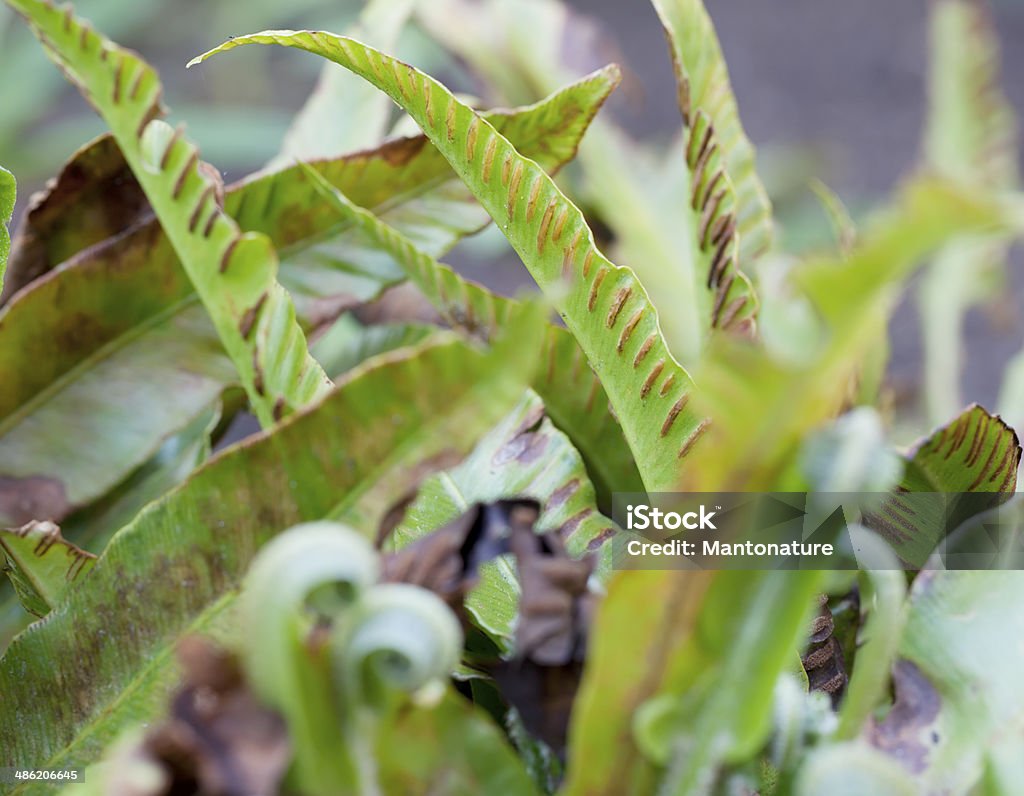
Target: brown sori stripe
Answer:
pixel 621 297
pixel 692 440
pixel 598 541
pixel 900 520
pixel 989 460
pixel 545 223
pixel 531 203
pixel 645 349
pixel 673 413
pixel 651 378
pixel 889 531
pixel 978 443
pixel 595 288
pixel 628 329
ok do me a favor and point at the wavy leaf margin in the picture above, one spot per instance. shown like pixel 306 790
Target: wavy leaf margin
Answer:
pixel 603 305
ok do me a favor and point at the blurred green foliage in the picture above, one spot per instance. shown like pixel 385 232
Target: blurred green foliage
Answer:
pixel 238 116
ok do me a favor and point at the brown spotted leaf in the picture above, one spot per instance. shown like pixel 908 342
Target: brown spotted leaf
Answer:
pixel 94 197
pixel 526 458
pixel 716 141
pixel 976 452
pixel 968 466
pixel 176 568
pixel 124 313
pixel 234 273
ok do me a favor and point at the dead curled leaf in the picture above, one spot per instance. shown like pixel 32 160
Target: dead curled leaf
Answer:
pixel 555 606
pixel 435 562
pixel 554 611
pixel 903 733
pixel 555 603
pixel 218 740
pixel 447 560
pixel 823 660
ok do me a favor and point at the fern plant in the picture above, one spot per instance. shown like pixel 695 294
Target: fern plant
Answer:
pixel 406 582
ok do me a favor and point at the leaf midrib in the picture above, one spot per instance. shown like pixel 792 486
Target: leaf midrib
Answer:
pixel 104 352
pixel 401 453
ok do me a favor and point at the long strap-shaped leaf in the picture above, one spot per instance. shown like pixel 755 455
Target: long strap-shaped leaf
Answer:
pixel 970 135
pixel 731 222
pixel 603 305
pixel 575 400
pixel 234 274
pixel 675 227
pixel 713 121
pixel 974 452
pixel 146 327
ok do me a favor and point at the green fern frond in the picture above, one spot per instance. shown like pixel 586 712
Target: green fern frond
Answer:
pixel 572 395
pixel 233 273
pixel 713 122
pixel 604 305
pixel 970 136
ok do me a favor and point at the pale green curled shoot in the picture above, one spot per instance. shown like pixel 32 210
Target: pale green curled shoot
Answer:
pixel 401 640
pixel 334 652
pixel 291 574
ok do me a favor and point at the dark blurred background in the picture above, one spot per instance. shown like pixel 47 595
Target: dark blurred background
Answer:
pixel 827 88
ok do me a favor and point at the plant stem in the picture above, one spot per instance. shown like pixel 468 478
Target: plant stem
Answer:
pixel 871 672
